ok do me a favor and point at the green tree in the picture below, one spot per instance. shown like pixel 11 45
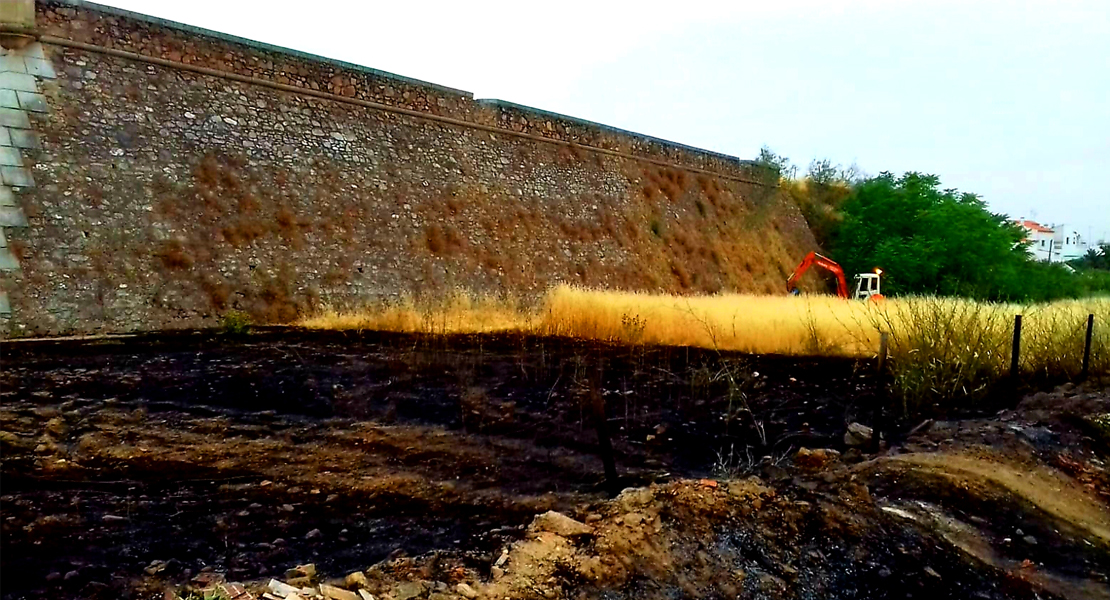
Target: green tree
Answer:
pixel 1095 258
pixel 930 240
pixel 1093 270
pixel 778 165
pixel 819 195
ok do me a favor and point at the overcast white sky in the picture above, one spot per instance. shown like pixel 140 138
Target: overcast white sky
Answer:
pixel 1009 99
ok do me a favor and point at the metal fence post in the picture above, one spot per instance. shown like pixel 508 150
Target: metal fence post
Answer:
pixel 878 419
pixel 1015 352
pixel 601 422
pixel 605 445
pixel 884 339
pixel 1087 347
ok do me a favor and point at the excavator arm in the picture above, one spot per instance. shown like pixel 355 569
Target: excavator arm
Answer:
pixel 824 262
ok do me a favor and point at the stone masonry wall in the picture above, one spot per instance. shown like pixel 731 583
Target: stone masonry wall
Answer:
pixel 23 69
pixel 275 183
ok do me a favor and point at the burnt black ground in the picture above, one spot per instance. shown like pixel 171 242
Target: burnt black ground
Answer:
pixel 677 395
pixel 668 414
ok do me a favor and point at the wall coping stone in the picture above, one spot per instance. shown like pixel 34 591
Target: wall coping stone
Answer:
pixel 495 103
pixel 490 103
pixel 226 37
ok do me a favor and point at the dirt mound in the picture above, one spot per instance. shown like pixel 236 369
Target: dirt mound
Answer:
pixel 992 516
pixel 708 539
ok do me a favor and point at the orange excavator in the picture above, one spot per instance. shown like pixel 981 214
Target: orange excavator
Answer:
pixel 867 284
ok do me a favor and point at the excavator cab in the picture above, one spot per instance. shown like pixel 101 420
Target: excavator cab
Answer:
pixel 867 286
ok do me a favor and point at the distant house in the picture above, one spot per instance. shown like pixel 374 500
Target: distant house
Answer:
pixel 1040 239
pixel 1058 243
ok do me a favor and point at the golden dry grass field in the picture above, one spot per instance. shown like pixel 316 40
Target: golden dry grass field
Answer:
pixel 941 345
pixel 808 324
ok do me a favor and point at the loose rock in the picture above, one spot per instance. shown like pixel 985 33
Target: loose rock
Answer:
pixel 857 435
pixel 560 524
pixel 409 590
pixel 357 579
pixel 308 571
pixel 281 589
pixel 334 593
pixel 815 460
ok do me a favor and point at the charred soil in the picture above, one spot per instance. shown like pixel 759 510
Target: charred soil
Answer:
pixel 130 465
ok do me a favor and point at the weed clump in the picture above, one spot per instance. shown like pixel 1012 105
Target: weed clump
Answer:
pixel 443 241
pixel 633 328
pixel 436 239
pixel 235 323
pixel 174 257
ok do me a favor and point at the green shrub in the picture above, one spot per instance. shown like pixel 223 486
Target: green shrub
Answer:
pixel 235 323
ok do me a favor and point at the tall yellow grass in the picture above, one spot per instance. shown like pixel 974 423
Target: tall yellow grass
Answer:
pixel 940 348
pixel 459 312
pixel 748 323
pixel 809 324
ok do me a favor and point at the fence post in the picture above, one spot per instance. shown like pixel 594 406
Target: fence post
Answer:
pixel 1087 347
pixel 878 419
pixel 884 339
pixel 601 422
pixel 605 445
pixel 1015 352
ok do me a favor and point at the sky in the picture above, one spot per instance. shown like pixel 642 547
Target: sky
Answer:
pixel 1008 99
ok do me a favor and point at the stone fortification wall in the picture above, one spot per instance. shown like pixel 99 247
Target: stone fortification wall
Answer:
pixel 157 175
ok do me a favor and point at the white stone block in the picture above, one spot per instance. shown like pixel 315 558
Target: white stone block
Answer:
pixel 19 14
pixel 12 63
pixel 34 50
pixel 8 99
pixel 10 117
pixel 23 138
pixel 40 68
pixel 17 177
pixel 20 82
pixel 32 101
pixel 7 198
pixel 9 157
pixel 12 216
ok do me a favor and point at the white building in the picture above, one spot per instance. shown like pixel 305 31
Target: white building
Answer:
pixel 1058 243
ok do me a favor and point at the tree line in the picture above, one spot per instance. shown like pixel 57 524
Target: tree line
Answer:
pixel 926 238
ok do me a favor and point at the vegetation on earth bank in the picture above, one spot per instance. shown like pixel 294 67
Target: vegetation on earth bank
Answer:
pixel 927 239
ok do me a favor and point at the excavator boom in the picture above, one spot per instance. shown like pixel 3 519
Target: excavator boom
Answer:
pixel 824 262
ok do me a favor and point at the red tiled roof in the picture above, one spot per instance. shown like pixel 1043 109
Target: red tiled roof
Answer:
pixel 1034 226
